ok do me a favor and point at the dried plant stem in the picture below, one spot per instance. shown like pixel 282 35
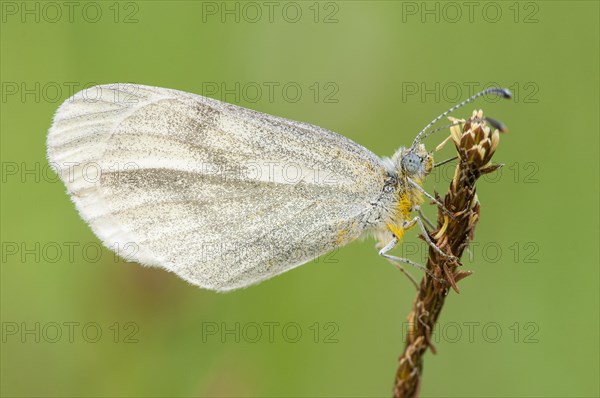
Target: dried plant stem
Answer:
pixel 475 143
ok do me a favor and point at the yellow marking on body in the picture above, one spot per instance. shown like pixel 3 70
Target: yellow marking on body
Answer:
pixel 404 206
pixel 397 230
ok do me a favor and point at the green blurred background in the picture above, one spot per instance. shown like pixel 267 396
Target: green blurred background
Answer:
pixel 525 324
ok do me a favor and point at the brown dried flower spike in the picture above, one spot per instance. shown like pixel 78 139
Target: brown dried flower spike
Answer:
pixel 476 141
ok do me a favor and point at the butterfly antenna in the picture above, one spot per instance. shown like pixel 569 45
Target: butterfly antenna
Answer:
pixel 457 123
pixel 502 92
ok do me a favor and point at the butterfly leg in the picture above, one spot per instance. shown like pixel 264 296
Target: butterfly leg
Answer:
pixel 396 260
pixel 418 209
pixel 417 220
pixel 437 202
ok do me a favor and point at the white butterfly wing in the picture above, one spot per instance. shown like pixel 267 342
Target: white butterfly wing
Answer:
pixel 221 195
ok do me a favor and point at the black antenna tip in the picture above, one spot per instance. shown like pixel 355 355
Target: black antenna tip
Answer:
pixel 496 124
pixel 505 93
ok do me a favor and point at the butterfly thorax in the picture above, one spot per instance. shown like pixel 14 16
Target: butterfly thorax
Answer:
pixel 407 168
pixel 407 198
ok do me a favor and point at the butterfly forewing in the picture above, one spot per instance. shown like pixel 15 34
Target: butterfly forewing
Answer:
pixel 221 195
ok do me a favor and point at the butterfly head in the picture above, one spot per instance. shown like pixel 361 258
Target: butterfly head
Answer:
pixel 415 163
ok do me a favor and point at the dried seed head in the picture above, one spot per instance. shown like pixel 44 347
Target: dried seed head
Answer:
pixel 475 140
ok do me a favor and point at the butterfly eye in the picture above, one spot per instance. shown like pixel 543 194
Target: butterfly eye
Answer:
pixel 411 162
